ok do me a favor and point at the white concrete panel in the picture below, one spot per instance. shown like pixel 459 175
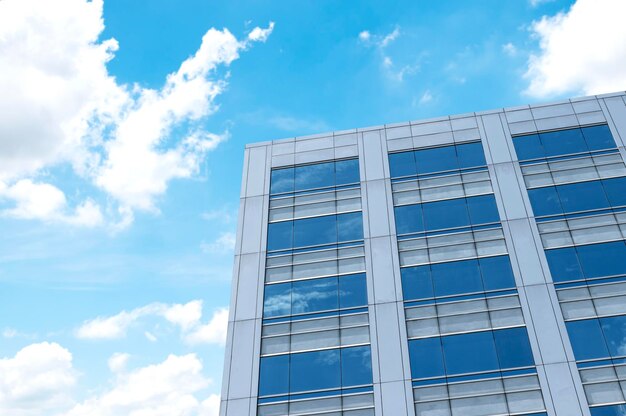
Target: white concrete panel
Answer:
pixel 388 341
pixel 394 399
pixel 233 289
pixel 496 138
pixel 348 139
pixel 373 338
pixel 252 222
pixel 556 122
pixel 346 151
pixel 223 405
pixel 244 173
pixel 617 111
pixel 283 160
pixel 466 135
pixel 248 286
pixel 530 327
pixel 283 148
pixel 242 360
pixel 436 139
pixel 382 270
pixel 314 144
pixel 566 401
pixel 377 208
pixel 526 251
pixel 463 123
pixel 591 118
pixel 373 155
pixel 523 127
pixel 227 359
pixel 431 128
pixel 580 391
pixel 239 235
pixel 239 407
pixel 518 115
pixel 586 106
pixel 256 171
pixel 398 132
pixel 315 156
pixel 545 389
pixel 509 191
pixel 378 399
pixel 542 311
pixel 555 110
pixel 400 144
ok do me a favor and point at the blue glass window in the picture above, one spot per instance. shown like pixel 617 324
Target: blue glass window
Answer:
pixel 598 137
pixel 456 277
pixel 277 300
pixel 318 175
pixel 315 231
pixel 445 214
pixel 356 366
pixel 496 272
pixel 614 410
pixel 563 142
pixel 513 348
pixel 315 370
pixel 282 180
pixel 545 201
pixel 280 235
pixel 416 282
pixel 470 155
pixel 528 147
pixel 402 164
pixel 483 209
pixel 436 159
pixel 615 190
pixel 274 375
pixel 352 291
pixel 587 339
pixel 604 259
pixel 315 295
pixel 563 263
pixel 347 171
pixel 409 219
pixel 426 358
pixel 468 353
pixel 614 329
pixel 350 226
pixel 582 196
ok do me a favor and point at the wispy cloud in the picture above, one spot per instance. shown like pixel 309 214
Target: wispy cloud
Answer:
pixel 395 72
pixel 225 243
pixel 509 49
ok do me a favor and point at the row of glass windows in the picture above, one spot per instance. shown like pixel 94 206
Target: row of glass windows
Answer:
pixel 458 277
pixel 615 410
pixel 436 159
pixel 451 213
pixel 581 230
pixel 562 142
pixel 604 384
pixel 315 370
pixel 470 353
pixel 593 300
pixel 315 295
pixel 587 261
pixel 598 338
pixel 576 197
pixel 352 403
pixel 315 176
pixel 306 232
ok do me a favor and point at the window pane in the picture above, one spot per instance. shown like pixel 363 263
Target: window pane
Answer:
pixel 615 190
pixel 470 155
pixel 604 259
pixel 426 357
pixel 445 214
pixel 356 366
pixel 315 370
pixel 598 137
pixel 469 353
pixel 563 263
pixel 416 282
pixel 347 171
pixel 349 226
pixel 274 375
pixel 545 201
pixel 314 231
pixel 280 235
pixel 277 300
pixel 513 348
pixel 587 339
pixel 315 176
pixel 614 329
pixel 582 196
pixel 496 272
pixel 282 180
pixel 436 159
pixel 352 291
pixel 615 410
pixel 315 295
pixel 402 164
pixel 528 147
pixel 563 142
pixel 483 209
pixel 409 219
pixel 456 277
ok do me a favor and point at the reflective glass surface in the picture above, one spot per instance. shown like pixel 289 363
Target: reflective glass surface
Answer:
pixel 582 196
pixel 315 295
pixel 483 209
pixel 350 226
pixel 280 235
pixel 356 366
pixel 615 190
pixel 315 231
pixel 436 159
pixel 614 329
pixel 603 259
pixel 315 370
pixel 409 219
pixel 416 282
pixel 496 272
pixel 445 214
pixel 587 339
pixel 563 141
pixel 598 137
pixel 402 164
pixel 426 357
pixel 615 410
pixel 347 171
pixel 470 155
pixel 282 180
pixel 528 147
pixel 545 201
pixel 563 263
pixel 513 348
pixel 456 277
pixel 352 291
pixel 468 353
pixel 274 375
pixel 318 175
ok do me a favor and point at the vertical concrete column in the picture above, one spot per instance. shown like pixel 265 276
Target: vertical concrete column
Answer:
pixel 552 351
pixel 614 109
pixel 392 375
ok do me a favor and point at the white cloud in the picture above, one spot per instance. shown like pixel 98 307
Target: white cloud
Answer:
pixel 9 333
pixel 225 243
pixel 509 49
pixel 188 317
pixel 380 41
pixel 582 50
pixel 37 380
pixel 365 35
pixel 390 37
pixel 59 105
pixel 426 97
pixel 536 3
pixel 118 361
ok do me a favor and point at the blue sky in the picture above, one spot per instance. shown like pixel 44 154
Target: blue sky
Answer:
pixel 122 128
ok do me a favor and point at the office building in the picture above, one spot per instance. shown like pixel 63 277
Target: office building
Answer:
pixel 470 265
